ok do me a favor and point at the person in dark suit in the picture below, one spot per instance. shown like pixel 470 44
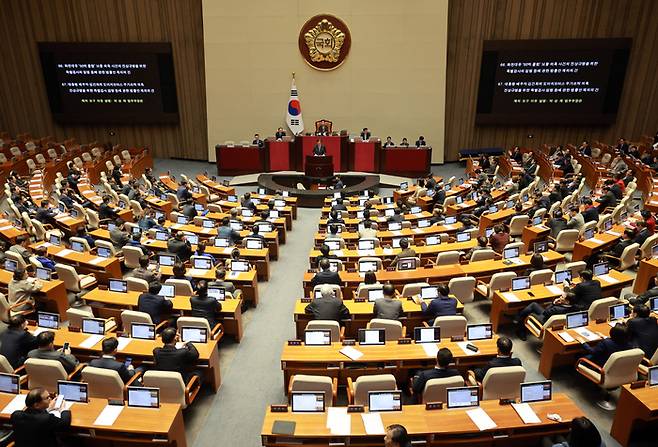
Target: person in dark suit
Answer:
pixel 421 141
pixel 557 223
pixel 618 341
pixel 443 305
pixel 118 235
pixel 404 142
pixel 504 358
pixel 108 360
pixel 153 304
pixel 183 360
pixel 46 351
pixel 327 306
pixel 607 199
pixel 405 253
pixel 17 341
pixel 117 175
pixel 179 246
pixel 45 214
pixel 338 183
pixel 339 206
pixel 643 330
pixel 204 306
pixel 319 150
pixel 389 142
pixel 183 193
pixel 280 133
pixel 560 306
pixel 642 234
pixel 583 294
pixel 365 134
pixel 35 426
pixel 257 141
pixel 334 219
pixel 106 211
pixel 585 148
pixel 325 276
pixel 442 370
pixel 626 240
pixel 622 146
pixel 388 307
pixel 220 276
pixel 590 212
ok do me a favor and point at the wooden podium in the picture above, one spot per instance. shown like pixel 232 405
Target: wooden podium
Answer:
pixel 319 167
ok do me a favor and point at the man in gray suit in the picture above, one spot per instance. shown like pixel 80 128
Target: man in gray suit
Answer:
pixel 388 307
pixel 46 351
pixel 327 307
pixel 576 220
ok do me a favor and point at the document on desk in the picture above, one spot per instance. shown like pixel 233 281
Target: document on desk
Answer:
pixel 613 233
pixel 373 423
pixel 526 413
pixel 596 241
pixel 233 275
pixel 417 230
pixel 109 414
pixel 589 335
pixel 517 261
pixel 430 349
pixel 64 252
pixel 338 421
pixel 339 253
pixel 462 344
pixel 123 342
pixel 91 341
pixel 481 419
pixel 555 289
pixel 388 251
pixel 17 403
pixel 511 297
pixel 351 353
pixel 5 228
pixel 607 278
pixel 97 260
pixel 195 272
pixel 366 252
pixel 394 232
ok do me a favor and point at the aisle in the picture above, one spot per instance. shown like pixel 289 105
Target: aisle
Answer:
pixel 254 379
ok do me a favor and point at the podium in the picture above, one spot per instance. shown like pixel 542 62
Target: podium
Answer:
pixel 337 147
pixel 319 167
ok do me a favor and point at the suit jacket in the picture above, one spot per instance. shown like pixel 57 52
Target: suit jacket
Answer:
pixel 644 334
pixel 608 199
pixel 496 362
pixel 388 309
pixel 228 233
pixel 105 211
pixel 422 377
pixel 576 223
pixel 642 236
pixel 154 305
pixel 279 135
pixel 440 307
pixel 180 248
pixel 618 249
pixel 168 358
pixel 327 309
pixel 591 215
pixel 556 225
pixel 68 361
pixel 319 150
pixel 407 253
pixel 146 274
pixel 183 194
pixel 585 293
pixel 23 289
pixel 603 350
pixel 15 344
pixel 38 427
pixel 206 307
pixel 326 277
pixel 44 215
pixel 227 285
pixel 111 363
pixel 365 135
pixel 119 238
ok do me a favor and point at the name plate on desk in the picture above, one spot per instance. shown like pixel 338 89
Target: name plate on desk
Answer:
pixel 278 408
pixel 404 341
pixel 433 405
pixel 355 409
pixel 306 300
pixel 294 342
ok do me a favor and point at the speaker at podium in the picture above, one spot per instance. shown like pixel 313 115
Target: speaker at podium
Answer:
pixel 319 167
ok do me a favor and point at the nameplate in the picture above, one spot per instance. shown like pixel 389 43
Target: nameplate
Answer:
pixel 294 342
pixel 115 402
pixel 457 338
pixel 601 320
pixel 359 300
pixel 351 270
pixel 349 342
pixel 311 271
pixel 306 300
pixel 74 329
pixel 279 408
pixel 557 328
pixel 638 384
pixel 429 266
pixel 433 405
pixel 390 269
pixel 355 409
pixel 506 401
pixel 404 341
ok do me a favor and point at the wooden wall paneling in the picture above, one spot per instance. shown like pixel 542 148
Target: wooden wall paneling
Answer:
pixel 23 101
pixel 471 22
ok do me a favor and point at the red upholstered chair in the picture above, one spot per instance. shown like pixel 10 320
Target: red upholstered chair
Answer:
pixel 326 123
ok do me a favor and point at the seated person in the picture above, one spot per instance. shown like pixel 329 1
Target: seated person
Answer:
pixel 442 370
pixel 153 304
pixel 483 244
pixel 44 259
pixel 369 279
pixel 536 263
pixel 108 360
pixel 389 142
pixel 325 253
pixel 557 223
pixel 136 241
pixel 204 306
pixel 397 216
pixel 583 294
pixel 560 306
pixel 642 234
pixel 46 351
pixel 646 295
pixel 220 276
pixel 16 342
pixel 201 251
pixel 179 272
pixel 118 236
pixel 388 307
pixel 170 358
pixel 333 234
pixel 642 330
pixel 325 275
pixel 583 433
pixel 22 247
pixel 404 142
pixel 618 341
pixel 442 306
pixel 369 231
pixel 35 426
pixel 626 240
pixel 23 288
pixel 334 218
pixel 405 253
pixel 499 239
pixel 226 232
pixel 82 233
pixel 339 206
pixel 45 214
pixel 504 358
pixel 144 272
pixel 179 246
pixel 256 235
pixel 327 306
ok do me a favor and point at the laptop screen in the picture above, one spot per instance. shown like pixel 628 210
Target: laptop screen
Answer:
pixel 48 320
pixel 235 225
pixel 654 251
pixel 520 283
pixel 462 397
pixel 463 237
pixel 394 226
pixel 366 245
pixel 536 220
pixel 407 264
pixel 619 312
pixel 423 223
pixel 488 232
pixel 367 266
pixel 536 391
pixel 479 331
pixel 218 293
pixel 654 304
pixel 274 214
pixel 202 263
pixel 459 199
pixel 512 252
pixel 246 212
pixel 601 269
pixel 427 334
pixel 10 383
pixel 94 326
pixel 118 285
pixel 161 236
pixel 388 212
pixel 73 391
pixel 54 239
pixel 142 331
pixel 562 275
pixel 198 207
pixel 404 185
pixel 334 265
pixel 254 244
pixel 265 227
pixel 167 260
pixel 588 234
pixel 182 220
pixel 577 319
pixel 167 290
pixel 372 336
pixel 43 273
pixel 10 265
pixel 333 245
pixel 653 376
pixel 375 294
pixel 415 210
pixel 307 402
pixel 222 242
pixel 541 247
pixel 384 401
pixel 607 224
pixel 207 223
pixel 193 239
pixel 429 292
pixel 143 397
pixel 317 337
pixel 432 240
pixel 451 220
pixel 194 334
pixel 239 266
pixel 233 199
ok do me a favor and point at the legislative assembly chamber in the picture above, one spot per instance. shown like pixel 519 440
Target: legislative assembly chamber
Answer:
pixel 425 223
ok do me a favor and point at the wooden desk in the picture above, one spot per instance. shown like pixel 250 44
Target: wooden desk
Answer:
pixel 469 205
pixel 600 241
pixel 9 232
pixel 634 407
pixel 214 186
pixel 54 292
pixel 502 305
pixel 446 428
pixel 143 351
pixel 164 425
pixel 534 233
pixel 645 274
pixel 170 183
pixel 361 313
pixel 413 234
pixel 353 223
pixel 397 359
pixel 279 224
pixel 85 262
pixel 111 304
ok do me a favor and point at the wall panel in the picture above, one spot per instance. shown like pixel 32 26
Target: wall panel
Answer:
pixel 470 22
pixel 23 101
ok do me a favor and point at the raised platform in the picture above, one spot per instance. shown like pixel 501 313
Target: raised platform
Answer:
pixel 314 198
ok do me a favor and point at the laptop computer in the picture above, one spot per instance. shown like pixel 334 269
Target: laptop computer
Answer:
pixel 427 334
pixel 194 334
pixel 143 397
pixel 384 401
pixel 118 285
pixel 536 391
pixel 463 397
pixel 372 336
pixel 479 331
